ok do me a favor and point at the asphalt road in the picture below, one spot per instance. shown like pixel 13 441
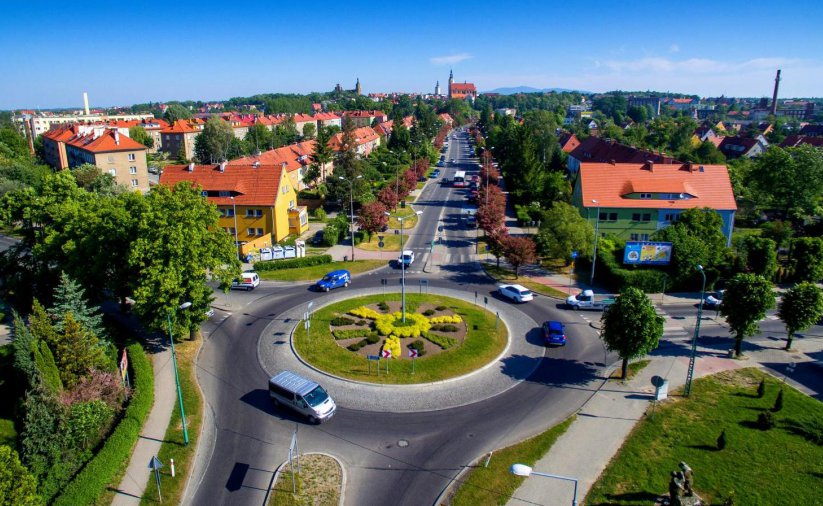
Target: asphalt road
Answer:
pixel 389 458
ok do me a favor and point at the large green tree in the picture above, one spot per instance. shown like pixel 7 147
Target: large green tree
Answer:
pixel 747 298
pixel 17 486
pixel 175 112
pixel 760 256
pixel 69 297
pixel 789 180
pixel 807 259
pixel 800 308
pixel 631 327
pixel 562 231
pixel 139 134
pixel 212 145
pixel 179 246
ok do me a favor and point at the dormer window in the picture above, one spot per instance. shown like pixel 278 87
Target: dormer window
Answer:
pixel 224 193
pixel 645 195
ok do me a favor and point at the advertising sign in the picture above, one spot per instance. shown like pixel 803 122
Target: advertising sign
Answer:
pixel 647 253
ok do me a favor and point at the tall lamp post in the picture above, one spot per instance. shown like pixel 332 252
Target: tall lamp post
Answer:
pixel 184 305
pixel 402 267
pixel 690 375
pixel 351 208
pixel 596 237
pixel 234 213
pixel 524 470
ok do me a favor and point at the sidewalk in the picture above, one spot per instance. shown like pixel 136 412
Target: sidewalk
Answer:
pixel 605 421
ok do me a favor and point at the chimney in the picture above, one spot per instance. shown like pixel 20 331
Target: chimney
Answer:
pixel 117 136
pixel 86 103
pixel 255 165
pixel 222 166
pixel 191 167
pixel 650 164
pixel 774 97
pixel 690 166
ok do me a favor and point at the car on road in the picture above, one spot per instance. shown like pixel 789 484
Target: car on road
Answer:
pixel 554 333
pixel 405 259
pixel 587 300
pixel 248 281
pixel 516 293
pixel 715 301
pixel 334 279
pixel 440 163
pixel 435 173
pixel 453 160
pixel 301 395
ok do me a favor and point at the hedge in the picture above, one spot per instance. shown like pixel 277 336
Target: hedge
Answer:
pixel 91 482
pixel 352 333
pixel 444 342
pixel 292 263
pixel 617 278
pixel 445 319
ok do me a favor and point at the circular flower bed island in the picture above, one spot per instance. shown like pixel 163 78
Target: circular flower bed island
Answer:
pixel 450 337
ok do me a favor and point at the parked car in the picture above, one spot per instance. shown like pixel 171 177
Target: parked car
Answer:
pixel 554 333
pixel 405 259
pixel 334 279
pixel 317 240
pixel 516 293
pixel 587 300
pixel 714 301
pixel 247 281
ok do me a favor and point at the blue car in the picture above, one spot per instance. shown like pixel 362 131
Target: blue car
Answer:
pixel 554 333
pixel 334 279
pixel 435 173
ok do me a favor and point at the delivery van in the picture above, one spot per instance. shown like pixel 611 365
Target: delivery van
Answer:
pixel 301 395
pixel 248 281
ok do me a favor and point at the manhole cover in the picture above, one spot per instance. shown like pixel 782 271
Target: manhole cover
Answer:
pixel 402 443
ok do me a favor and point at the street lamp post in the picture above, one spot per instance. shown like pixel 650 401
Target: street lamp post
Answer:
pixel 403 268
pixel 234 213
pixel 351 208
pixel 184 305
pixel 524 470
pixel 690 375
pixel 596 237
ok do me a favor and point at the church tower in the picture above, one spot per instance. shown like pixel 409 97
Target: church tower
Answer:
pixel 357 87
pixel 437 89
pixel 451 81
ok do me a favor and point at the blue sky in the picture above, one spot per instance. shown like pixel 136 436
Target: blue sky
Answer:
pixel 128 52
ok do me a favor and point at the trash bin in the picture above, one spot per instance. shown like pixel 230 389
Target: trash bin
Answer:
pixel 345 258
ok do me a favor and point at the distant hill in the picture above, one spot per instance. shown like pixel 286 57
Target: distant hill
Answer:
pixel 529 89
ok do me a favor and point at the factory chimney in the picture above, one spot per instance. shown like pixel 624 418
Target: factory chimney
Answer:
pixel 86 103
pixel 774 97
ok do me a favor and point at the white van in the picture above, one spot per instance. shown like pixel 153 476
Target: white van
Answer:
pixel 302 395
pixel 248 281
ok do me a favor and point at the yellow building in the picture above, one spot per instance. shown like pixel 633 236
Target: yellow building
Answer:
pixel 257 203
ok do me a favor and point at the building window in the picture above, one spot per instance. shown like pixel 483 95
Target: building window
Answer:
pixel 132 170
pixel 131 157
pixel 259 231
pixel 645 195
pixel 634 237
pixel 635 216
pixel 134 183
pixel 608 216
pixel 229 213
pixel 258 212
pixel 250 231
pixel 285 190
pixel 670 217
pixel 291 204
pixel 224 193
pixel 304 218
pixel 647 217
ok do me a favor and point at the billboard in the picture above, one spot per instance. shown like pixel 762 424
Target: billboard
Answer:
pixel 647 253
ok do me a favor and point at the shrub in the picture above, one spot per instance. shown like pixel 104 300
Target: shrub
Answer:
pixel 392 344
pixel 778 403
pixel 765 420
pixel 428 312
pixel 352 333
pixel 441 308
pixel 444 342
pixel 417 325
pixel 445 319
pixel 444 328
pixel 382 306
pixel 420 346
pixel 362 322
pixel 356 346
pixel 292 263
pixel 364 312
pixel 90 483
pixel 339 321
pixel 721 440
pixel 372 338
pixel 761 389
pixel 320 214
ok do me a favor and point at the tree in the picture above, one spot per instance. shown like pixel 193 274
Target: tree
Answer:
pixel 311 175
pixel 39 448
pixel 139 134
pixel 69 297
pixel 77 352
pixel 372 217
pixel 179 246
pixel 387 196
pixel 258 138
pixel 760 256
pixel 800 308
pixel 788 180
pixel 519 251
pixel 85 174
pixel 807 259
pixel 212 144
pixel 631 327
pixel 17 486
pixel 309 131
pixel 175 112
pixel 745 302
pixel 562 231
pixel 708 153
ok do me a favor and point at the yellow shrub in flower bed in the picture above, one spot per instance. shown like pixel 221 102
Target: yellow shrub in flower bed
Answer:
pixel 445 319
pixel 416 325
pixel 364 312
pixel 392 344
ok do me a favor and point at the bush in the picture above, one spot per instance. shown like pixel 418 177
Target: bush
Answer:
pixel 765 420
pixel 292 263
pixel 392 344
pixel 778 403
pixel 441 308
pixel 91 482
pixel 365 312
pixel 721 440
pixel 444 328
pixel 761 389
pixel 428 312
pixel 373 338
pixel 382 306
pixel 356 346
pixel 420 346
pixel 352 333
pixel 339 321
pixel 416 325
pixel 648 279
pixel 362 322
pixel 319 214
pixel 445 319
pixel 444 342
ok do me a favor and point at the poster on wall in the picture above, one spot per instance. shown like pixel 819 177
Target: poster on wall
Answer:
pixel 647 253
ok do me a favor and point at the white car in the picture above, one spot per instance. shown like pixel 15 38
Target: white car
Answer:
pixel 516 293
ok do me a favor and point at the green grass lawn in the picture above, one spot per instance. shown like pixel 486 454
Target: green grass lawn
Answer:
pixel 481 345
pixel 507 276
pixel 777 466
pixel 316 272
pixel 391 242
pixel 408 215
pixel 495 484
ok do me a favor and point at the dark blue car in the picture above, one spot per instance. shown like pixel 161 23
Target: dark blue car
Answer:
pixel 554 333
pixel 334 279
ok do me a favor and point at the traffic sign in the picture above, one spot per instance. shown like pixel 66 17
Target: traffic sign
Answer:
pixel 386 353
pixel 413 353
pixel 380 244
pixel 380 237
pixel 374 357
pixel 155 464
pixel 440 228
pixel 574 255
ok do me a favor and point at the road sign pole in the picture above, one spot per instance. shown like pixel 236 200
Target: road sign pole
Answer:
pixel 496 321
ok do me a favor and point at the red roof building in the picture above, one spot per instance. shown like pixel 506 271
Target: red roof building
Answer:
pixel 365 138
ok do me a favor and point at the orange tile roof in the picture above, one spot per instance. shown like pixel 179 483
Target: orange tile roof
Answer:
pixel 609 184
pixel 464 87
pixel 362 136
pixel 303 118
pixel 110 140
pixel 326 116
pixel 250 186
pixel 364 114
pixel 293 156
pixel 62 133
pixel 179 127
pixel 384 128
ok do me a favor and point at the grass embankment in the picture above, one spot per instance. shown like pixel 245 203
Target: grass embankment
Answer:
pixel 409 218
pixel 504 275
pixel 495 484
pixel 173 446
pixel 320 481
pixel 757 467
pixel 316 272
pixel 391 242
pixel 481 345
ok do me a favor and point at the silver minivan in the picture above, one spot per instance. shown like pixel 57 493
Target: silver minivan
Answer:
pixel 302 395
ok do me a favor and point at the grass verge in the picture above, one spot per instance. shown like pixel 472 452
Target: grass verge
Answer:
pixel 173 447
pixel 507 275
pixel 408 215
pixel 391 242
pixel 495 484
pixel 316 272
pixel 320 481
pixel 634 368
pixel 481 345
pixel 756 466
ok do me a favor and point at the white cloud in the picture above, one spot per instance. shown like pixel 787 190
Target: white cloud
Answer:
pixel 674 48
pixel 450 59
pixel 693 65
